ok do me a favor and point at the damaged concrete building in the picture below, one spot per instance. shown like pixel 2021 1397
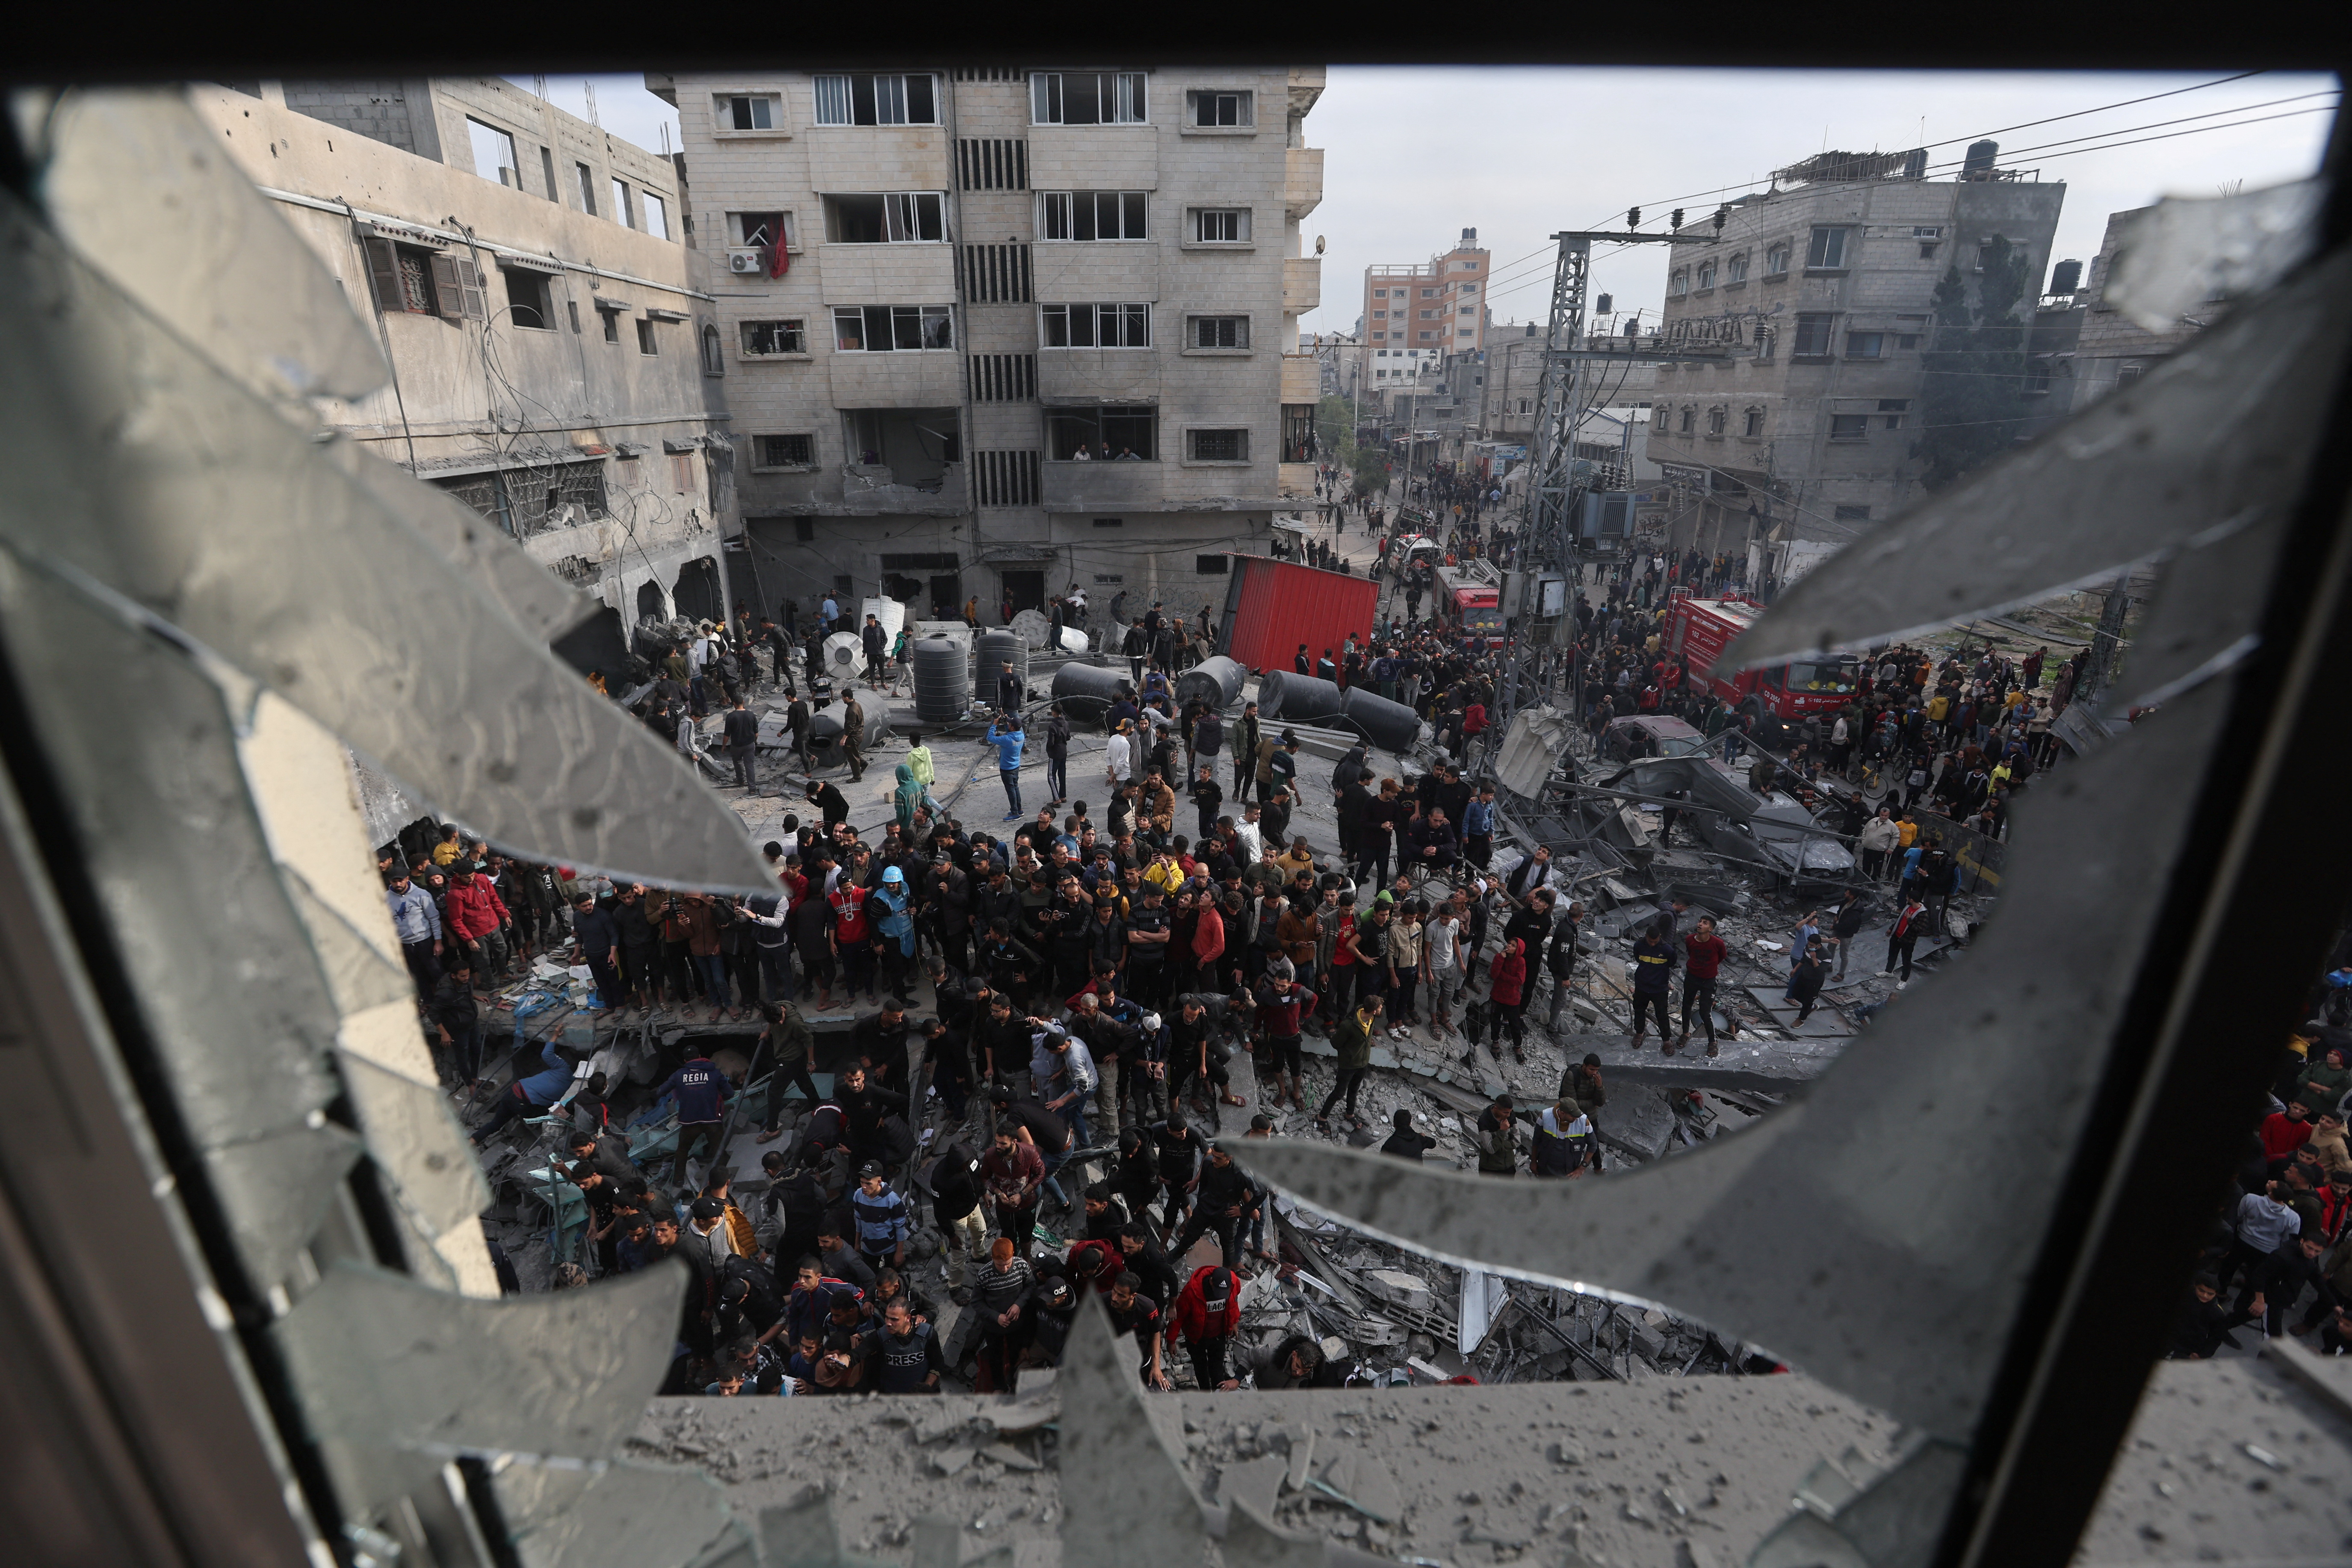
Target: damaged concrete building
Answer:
pixel 523 271
pixel 991 331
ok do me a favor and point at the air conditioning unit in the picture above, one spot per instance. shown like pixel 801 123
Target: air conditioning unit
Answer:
pixel 747 261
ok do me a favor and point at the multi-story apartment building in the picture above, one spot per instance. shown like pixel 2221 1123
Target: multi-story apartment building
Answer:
pixel 988 331
pixel 1414 316
pixel 523 271
pixel 1819 301
pixel 2111 350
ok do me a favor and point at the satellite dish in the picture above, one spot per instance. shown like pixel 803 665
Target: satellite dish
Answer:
pixel 1318 245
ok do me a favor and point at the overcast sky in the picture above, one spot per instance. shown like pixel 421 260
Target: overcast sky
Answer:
pixel 1415 154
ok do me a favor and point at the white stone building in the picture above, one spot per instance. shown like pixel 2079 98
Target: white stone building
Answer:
pixel 524 273
pixel 1026 328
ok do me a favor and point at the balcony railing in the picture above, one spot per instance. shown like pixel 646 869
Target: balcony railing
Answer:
pixel 1103 486
pixel 873 489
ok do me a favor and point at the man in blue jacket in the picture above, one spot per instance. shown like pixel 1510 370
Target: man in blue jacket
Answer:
pixel 525 1095
pixel 416 921
pixel 701 1092
pixel 1008 742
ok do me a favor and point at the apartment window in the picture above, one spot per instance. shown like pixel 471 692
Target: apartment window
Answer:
pixel 1753 423
pixel 1735 269
pixel 1212 565
pixel 1220 333
pixel 896 217
pixel 1469 310
pixel 529 301
pixel 1380 375
pixel 2130 373
pixel 1429 293
pixel 783 451
pixel 1092 215
pixel 1717 419
pixel 1775 261
pixel 409 279
pixel 875 329
pixel 714 354
pixel 877 98
pixel 572 308
pixel 1220 109
pixel 1426 336
pixel 656 214
pixel 789 336
pixel 760 229
pixel 1086 98
pixel 1812 339
pixel 1849 426
pixel 1865 345
pixel 1217 445
pixel 1381 293
pixel 1102 433
pixel 494 154
pixel 1681 283
pixel 621 204
pixel 611 323
pixel 1659 416
pixel 1120 326
pixel 1850 513
pixel 1466 288
pixel 647 342
pixel 1229 225
pixel 1907 339
pixel 1380 315
pixel 1690 417
pixel 749 111
pixel 1928 251
pixel 1428 316
pixel 681 473
pixel 587 178
pixel 1466 266
pixel 1891 411
pixel 1827 249
pixel 547 172
pixel 1706 274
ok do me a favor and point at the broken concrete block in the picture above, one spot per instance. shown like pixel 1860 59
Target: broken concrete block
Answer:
pixel 1396 1285
pixel 1302 1455
pixel 1256 1481
pixel 951 1461
pixel 1638 1124
pixel 1011 1458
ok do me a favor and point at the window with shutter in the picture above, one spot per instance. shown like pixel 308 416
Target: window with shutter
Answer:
pixel 448 293
pixel 383 274
pixel 474 296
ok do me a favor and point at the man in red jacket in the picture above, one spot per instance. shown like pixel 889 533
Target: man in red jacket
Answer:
pixel 1705 952
pixel 1208 1315
pixel 479 917
pixel 2284 1131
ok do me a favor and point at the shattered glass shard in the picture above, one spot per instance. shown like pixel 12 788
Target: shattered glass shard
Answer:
pixel 416 1141
pixel 1126 1502
pixel 2222 430
pixel 235 281
pixel 2180 253
pixel 439 684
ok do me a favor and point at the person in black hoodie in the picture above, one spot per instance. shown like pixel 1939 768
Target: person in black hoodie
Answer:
pixel 1404 1142
pixel 1805 980
pixel 1057 755
pixel 2204 1324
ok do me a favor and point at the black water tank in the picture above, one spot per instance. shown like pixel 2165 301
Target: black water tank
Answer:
pixel 1391 726
pixel 2066 278
pixel 998 645
pixel 1915 163
pixel 1216 681
pixel 1294 698
pixel 1086 691
pixel 942 681
pixel 1978 165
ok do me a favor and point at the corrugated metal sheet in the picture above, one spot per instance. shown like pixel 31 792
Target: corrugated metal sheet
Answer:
pixel 1276 606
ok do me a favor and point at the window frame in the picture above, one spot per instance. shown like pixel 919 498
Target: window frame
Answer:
pixel 1751 424
pixel 1196 219
pixel 1826 251
pixel 1236 326
pixel 539 280
pixel 1806 324
pixel 584 176
pixel 1735 269
pixel 1070 211
pixel 622 212
pixel 1095 308
pixel 722 113
pixel 653 206
pixel 1211 101
pixel 1783 253
pixel 1855 339
pixel 843 101
pixel 1849 426
pixel 927 321
pixel 1191 437
pixel 648 342
pixel 475 132
pixel 1055 85
pixel 759 452
pixel 795 325
pixel 902 211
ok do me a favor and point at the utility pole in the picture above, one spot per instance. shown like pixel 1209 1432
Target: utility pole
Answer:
pixel 2100 667
pixel 1553 492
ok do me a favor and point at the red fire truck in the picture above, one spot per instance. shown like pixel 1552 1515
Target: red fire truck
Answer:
pixel 1774 696
pixel 1472 595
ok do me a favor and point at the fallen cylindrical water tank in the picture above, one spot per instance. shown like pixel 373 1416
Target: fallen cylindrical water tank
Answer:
pixel 1074 641
pixel 824 738
pixel 998 644
pixel 1086 691
pixel 1295 699
pixel 942 681
pixel 843 657
pixel 1391 726
pixel 1216 681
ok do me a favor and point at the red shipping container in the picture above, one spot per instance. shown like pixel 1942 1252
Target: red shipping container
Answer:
pixel 1272 606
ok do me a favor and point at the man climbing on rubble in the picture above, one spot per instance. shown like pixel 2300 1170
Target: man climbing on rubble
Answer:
pixel 1654 966
pixel 1704 951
